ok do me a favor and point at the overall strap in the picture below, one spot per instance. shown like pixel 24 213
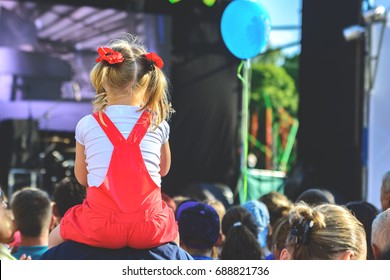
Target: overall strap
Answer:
pixel 109 128
pixel 140 128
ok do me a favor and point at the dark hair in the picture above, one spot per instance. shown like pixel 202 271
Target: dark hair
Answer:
pixel 68 193
pixel 365 212
pixel 240 230
pixel 31 208
pixel 313 197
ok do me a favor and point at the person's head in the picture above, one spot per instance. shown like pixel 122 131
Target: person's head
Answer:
pixel 313 197
pixel 32 212
pixel 207 191
pixel 135 73
pixel 218 206
pixel 380 235
pixel 329 195
pixel 240 230
pixel 260 214
pixel 278 205
pixel 324 232
pixel 385 191
pixel 279 236
pixel 6 226
pixel 67 193
pixel 365 212
pixel 199 228
pixel 184 204
pixel 178 199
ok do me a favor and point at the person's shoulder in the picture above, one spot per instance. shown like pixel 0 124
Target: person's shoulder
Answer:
pixel 85 123
pixel 70 250
pixel 85 119
pixel 170 251
pixel 164 129
pixel 5 253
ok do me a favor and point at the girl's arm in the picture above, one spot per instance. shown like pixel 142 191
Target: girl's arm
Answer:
pixel 80 166
pixel 165 159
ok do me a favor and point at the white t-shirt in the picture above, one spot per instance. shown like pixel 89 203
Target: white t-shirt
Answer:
pixel 98 148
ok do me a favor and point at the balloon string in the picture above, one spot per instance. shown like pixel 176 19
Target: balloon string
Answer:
pixel 244 125
pixel 239 69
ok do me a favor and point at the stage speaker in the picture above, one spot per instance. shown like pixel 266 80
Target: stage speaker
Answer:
pixel 331 86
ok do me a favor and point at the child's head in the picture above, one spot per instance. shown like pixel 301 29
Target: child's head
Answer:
pixel 324 232
pixel 32 212
pixel 241 231
pixel 260 214
pixel 199 226
pixel 131 72
pixel 67 193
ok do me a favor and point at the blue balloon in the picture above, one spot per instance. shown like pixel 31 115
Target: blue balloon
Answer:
pixel 245 28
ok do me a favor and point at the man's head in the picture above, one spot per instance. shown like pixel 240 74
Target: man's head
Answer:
pixel 32 212
pixel 67 193
pixel 199 227
pixel 385 191
pixel 380 234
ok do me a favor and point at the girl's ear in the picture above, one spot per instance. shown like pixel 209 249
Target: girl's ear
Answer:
pixel 285 255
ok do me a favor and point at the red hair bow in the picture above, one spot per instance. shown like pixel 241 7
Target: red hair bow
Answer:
pixel 155 58
pixel 109 55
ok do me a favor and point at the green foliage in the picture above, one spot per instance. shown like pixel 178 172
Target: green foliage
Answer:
pixel 277 83
pixel 275 76
pixel 291 65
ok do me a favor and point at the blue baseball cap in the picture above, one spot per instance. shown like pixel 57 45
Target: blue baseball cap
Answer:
pixel 260 214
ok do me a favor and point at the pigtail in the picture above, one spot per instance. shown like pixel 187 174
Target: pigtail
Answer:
pixel 241 244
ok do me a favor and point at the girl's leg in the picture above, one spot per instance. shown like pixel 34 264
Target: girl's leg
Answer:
pixel 55 237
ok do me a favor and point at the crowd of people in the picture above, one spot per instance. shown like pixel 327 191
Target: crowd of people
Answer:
pixel 270 228
pixel 114 207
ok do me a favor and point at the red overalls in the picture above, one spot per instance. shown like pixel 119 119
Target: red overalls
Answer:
pixel 126 209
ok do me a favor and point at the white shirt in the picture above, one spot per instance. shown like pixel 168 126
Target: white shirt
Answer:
pixel 98 148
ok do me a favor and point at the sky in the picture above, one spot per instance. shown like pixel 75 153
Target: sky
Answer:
pixel 284 13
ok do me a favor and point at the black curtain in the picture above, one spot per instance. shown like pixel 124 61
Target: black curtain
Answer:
pixel 206 96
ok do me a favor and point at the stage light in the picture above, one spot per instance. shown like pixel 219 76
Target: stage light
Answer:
pixel 354 32
pixel 377 14
pixel 209 3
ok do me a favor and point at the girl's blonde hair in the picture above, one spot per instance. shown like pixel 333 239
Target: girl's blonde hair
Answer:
pixel 134 76
pixel 325 232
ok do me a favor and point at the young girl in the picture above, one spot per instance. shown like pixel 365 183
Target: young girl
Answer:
pixel 122 151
